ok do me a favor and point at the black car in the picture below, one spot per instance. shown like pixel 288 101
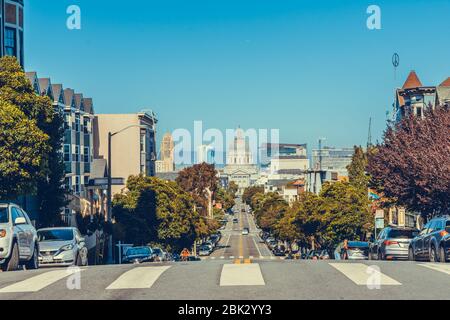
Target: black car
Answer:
pixel 279 252
pixel 432 243
pixel 137 255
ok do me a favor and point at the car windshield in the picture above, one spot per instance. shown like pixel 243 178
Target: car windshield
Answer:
pixel 157 251
pixel 204 248
pixel 4 217
pixel 55 235
pixel 403 234
pixel 138 251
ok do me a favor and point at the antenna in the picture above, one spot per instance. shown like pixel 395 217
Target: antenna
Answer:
pixel 369 135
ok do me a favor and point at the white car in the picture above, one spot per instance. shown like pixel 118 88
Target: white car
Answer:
pixel 62 247
pixel 245 231
pixel 18 239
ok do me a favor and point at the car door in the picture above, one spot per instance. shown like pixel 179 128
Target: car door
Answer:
pixel 82 249
pixel 418 242
pixel 30 232
pixel 21 233
pixel 427 238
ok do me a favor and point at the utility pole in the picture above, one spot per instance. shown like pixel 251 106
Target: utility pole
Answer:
pixel 109 197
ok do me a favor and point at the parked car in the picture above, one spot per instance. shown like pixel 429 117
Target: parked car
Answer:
pixel 279 252
pixel 215 238
pixel 18 239
pixel 432 242
pixel 235 220
pixel 209 245
pixel 204 250
pixel 245 231
pixel 357 250
pixel 138 255
pixel 392 243
pixel 62 247
pixel 159 255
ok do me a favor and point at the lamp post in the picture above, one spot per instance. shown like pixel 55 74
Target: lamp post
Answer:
pixel 109 192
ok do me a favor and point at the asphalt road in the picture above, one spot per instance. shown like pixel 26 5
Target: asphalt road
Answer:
pixel 235 245
pixel 242 268
pixel 224 279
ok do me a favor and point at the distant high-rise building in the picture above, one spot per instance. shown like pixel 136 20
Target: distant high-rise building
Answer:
pixel 205 153
pixel 166 162
pixel 332 159
pixel 271 151
pixel 12 27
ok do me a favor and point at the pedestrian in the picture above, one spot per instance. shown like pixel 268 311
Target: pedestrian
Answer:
pixel 185 254
pixel 344 253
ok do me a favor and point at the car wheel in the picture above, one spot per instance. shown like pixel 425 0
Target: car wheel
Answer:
pixel 12 263
pixel 433 256
pixel 380 256
pixel 442 254
pixel 411 256
pixel 33 264
pixel 79 261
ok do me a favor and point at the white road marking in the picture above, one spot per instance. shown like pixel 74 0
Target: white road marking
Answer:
pixel 231 257
pixel 241 275
pixel 213 258
pixel 358 273
pixel 251 257
pixel 38 282
pixel 261 257
pixel 138 278
pixel 241 257
pixel 445 268
pixel 222 257
pixel 256 245
pixel 272 257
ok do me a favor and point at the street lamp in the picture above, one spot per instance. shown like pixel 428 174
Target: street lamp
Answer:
pixel 109 192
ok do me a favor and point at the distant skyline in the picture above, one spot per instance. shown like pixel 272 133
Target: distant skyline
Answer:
pixel 309 68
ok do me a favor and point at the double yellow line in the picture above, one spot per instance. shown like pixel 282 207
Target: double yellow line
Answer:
pixel 242 261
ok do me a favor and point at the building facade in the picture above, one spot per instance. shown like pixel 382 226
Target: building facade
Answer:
pixel 415 98
pixel 166 163
pixel 270 151
pixel 240 168
pixel 12 29
pixel 332 159
pixel 77 150
pixel 133 148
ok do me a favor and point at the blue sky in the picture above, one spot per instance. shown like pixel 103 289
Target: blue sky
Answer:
pixel 310 68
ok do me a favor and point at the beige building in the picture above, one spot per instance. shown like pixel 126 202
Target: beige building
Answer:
pixel 281 163
pixel 167 161
pixel 133 148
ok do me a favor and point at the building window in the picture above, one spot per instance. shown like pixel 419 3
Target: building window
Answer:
pixel 419 112
pixel 77 184
pixel 77 153
pixel 86 154
pixel 86 125
pixel 77 122
pixel 67 152
pixel 68 184
pixel 10 42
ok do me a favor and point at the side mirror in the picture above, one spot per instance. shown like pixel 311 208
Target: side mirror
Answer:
pixel 80 240
pixel 20 220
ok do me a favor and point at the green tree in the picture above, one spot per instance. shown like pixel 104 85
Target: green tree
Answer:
pixel 16 89
pixel 345 213
pixel 357 170
pixel 22 145
pixel 270 208
pixel 156 211
pixel 250 192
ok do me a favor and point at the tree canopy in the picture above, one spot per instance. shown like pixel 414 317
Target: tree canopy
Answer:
pixel 412 165
pixel 156 211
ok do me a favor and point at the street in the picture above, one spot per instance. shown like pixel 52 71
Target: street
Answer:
pixel 235 245
pixel 215 279
pixel 242 267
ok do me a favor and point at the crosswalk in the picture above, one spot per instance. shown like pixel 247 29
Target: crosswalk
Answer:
pixel 238 274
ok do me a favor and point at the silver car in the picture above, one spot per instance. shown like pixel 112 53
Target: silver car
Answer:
pixel 18 239
pixel 62 247
pixel 392 243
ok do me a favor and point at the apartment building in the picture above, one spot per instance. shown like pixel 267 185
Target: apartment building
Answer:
pixel 12 29
pixel 133 145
